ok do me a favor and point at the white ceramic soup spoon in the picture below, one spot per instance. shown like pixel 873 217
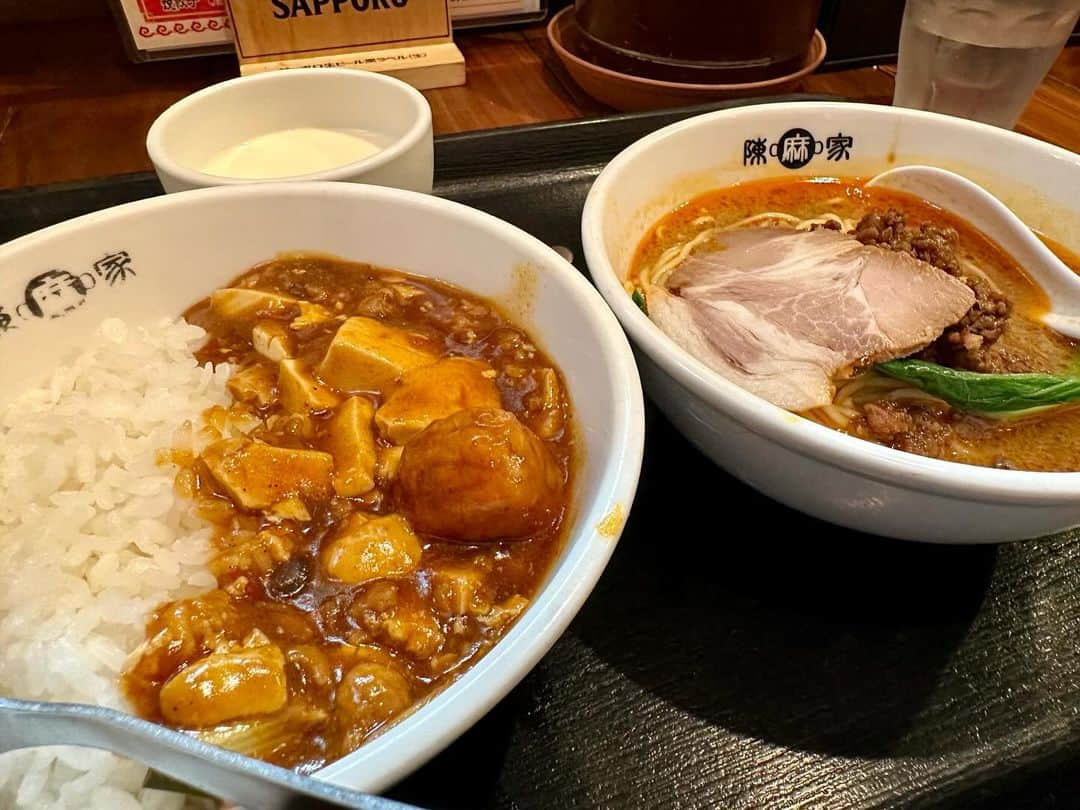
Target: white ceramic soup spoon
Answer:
pixel 215 771
pixel 986 212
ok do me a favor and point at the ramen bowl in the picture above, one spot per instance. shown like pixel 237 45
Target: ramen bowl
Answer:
pixel 822 472
pixel 139 262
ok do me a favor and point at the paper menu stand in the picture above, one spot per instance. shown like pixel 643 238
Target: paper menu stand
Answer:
pixel 408 39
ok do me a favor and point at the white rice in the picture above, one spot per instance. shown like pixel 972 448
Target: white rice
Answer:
pixel 92 539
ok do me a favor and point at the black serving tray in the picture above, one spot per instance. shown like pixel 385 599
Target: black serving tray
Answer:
pixel 737 654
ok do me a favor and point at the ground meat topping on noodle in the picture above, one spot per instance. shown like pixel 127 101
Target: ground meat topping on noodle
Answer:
pixel 965 344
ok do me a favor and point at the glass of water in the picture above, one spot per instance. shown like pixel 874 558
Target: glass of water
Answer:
pixel 979 59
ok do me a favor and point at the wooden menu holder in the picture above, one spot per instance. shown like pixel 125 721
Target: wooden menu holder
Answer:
pixel 408 39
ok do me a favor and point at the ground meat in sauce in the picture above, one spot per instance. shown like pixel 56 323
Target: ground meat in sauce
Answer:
pixel 931 429
pixel 924 428
pixel 966 344
pixel 887 423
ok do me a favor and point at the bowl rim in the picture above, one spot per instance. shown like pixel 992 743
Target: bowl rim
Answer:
pixel 164 162
pixel 815 55
pixel 803 436
pixel 440 719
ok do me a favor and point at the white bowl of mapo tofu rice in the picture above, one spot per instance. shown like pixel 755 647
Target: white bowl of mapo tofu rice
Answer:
pixel 314 472
pixel 856 353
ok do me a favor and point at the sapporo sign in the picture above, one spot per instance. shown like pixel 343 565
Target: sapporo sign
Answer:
pixel 408 38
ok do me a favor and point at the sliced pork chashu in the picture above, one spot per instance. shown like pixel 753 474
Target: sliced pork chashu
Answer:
pixel 780 312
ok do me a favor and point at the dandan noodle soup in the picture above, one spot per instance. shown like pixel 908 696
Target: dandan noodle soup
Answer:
pixel 1000 335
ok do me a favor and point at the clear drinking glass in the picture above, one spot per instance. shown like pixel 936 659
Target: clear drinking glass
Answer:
pixel 979 59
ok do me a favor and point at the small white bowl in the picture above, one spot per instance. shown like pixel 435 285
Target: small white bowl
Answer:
pixel 180 248
pixel 814 469
pixel 188 134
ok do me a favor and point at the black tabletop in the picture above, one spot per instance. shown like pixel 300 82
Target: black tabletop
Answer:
pixel 736 654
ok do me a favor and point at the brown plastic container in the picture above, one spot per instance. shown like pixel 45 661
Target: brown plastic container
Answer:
pixel 699 41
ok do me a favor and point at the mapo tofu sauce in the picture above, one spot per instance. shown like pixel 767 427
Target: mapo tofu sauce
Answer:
pixel 388 489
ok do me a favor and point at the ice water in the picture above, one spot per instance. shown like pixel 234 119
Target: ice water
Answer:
pixel 979 59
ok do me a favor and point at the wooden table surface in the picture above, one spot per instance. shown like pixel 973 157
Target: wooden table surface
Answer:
pixel 72 106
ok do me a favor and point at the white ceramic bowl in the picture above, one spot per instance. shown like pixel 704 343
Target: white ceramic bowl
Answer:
pixel 805 465
pixel 199 126
pixel 182 247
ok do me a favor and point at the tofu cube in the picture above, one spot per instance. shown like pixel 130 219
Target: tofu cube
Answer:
pixel 389 459
pixel 225 686
pixel 257 475
pixel 434 392
pixel 300 392
pixel 291 509
pixel 311 315
pixel 273 340
pixel 255 385
pixel 256 554
pixel 366 355
pixel 372 548
pixel 459 590
pixel 240 302
pixel 352 443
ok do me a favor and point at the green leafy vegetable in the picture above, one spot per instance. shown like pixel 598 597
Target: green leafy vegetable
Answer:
pixel 985 393
pixel 638 297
